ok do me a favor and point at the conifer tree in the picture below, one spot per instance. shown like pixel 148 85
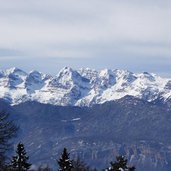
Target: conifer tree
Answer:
pixel 79 165
pixel 19 162
pixel 65 164
pixel 7 131
pixel 120 165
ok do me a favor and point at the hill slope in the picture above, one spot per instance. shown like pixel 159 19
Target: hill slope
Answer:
pixel 129 126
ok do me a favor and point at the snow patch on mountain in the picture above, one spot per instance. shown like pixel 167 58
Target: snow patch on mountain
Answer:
pixel 83 87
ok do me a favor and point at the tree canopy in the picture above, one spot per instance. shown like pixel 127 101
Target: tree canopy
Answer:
pixel 120 165
pixel 7 131
pixel 20 160
pixel 65 164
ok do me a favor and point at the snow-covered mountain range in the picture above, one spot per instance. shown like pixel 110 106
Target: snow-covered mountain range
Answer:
pixel 83 87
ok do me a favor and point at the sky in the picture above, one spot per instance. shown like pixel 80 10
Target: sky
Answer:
pixel 47 35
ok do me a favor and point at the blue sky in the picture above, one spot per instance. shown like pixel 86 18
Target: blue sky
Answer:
pixel 47 35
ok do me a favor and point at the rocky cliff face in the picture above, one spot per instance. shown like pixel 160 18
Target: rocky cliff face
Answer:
pixel 143 155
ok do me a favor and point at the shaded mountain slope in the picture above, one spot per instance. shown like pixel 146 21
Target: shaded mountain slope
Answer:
pixel 129 126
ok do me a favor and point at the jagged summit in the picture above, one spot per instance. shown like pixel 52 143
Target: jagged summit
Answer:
pixel 15 71
pixel 83 87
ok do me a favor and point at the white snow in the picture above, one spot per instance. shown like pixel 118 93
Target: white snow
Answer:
pixel 76 119
pixel 83 87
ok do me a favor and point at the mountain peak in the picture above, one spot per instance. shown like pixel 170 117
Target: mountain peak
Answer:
pixel 12 69
pixel 65 71
pixel 105 72
pixel 15 70
pixel 81 87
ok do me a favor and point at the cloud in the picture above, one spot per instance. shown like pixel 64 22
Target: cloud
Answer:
pixel 4 52
pixel 83 30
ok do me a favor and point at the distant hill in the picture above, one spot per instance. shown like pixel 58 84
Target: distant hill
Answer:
pixel 129 126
